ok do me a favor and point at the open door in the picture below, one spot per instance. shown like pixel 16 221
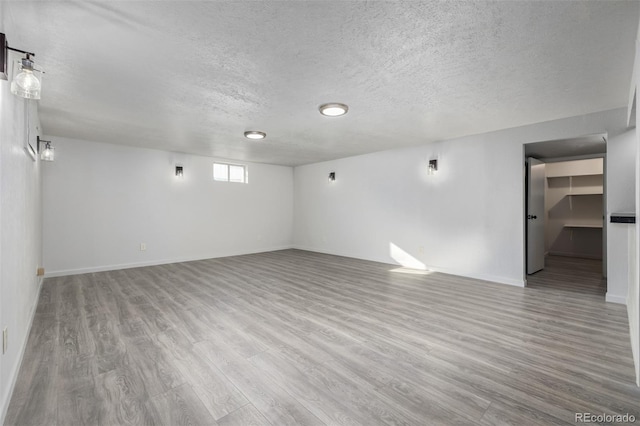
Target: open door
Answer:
pixel 535 215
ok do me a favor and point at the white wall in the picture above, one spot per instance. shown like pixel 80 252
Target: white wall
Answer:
pixel 633 295
pixel 101 201
pixel 621 154
pixel 466 220
pixel 621 186
pixel 633 299
pixel 20 235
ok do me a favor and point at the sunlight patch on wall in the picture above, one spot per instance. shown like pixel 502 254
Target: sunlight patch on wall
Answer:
pixel 404 258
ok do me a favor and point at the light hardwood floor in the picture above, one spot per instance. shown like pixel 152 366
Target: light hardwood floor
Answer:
pixel 294 337
pixel 570 276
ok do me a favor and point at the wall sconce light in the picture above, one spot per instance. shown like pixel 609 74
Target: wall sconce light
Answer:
pixel 433 166
pixel 27 77
pixel 47 151
pixel 332 177
pixel 179 172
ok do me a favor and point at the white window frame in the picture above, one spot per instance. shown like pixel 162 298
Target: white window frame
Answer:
pixel 245 178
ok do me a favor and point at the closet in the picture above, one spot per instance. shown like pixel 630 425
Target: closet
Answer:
pixel 574 208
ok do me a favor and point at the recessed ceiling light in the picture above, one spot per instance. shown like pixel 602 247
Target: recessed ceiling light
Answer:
pixel 254 134
pixel 333 110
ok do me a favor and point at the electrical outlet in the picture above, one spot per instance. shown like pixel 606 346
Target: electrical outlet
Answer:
pixel 5 340
pixel 143 246
pixel 421 249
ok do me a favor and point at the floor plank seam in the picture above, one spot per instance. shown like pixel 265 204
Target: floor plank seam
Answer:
pixel 305 338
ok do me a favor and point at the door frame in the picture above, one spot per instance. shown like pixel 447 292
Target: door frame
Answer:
pixel 523 216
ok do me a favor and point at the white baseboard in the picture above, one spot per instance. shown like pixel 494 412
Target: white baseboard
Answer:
pixel 483 277
pixel 90 269
pixel 13 375
pixel 614 298
pixel 341 254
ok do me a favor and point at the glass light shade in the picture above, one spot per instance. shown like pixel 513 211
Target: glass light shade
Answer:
pixel 433 167
pixel 27 81
pixel 48 153
pixel 333 110
pixel 254 134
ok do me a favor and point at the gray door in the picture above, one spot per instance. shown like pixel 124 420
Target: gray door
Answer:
pixel 535 215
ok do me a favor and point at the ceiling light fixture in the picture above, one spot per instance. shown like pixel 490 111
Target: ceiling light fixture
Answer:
pixel 254 134
pixel 27 77
pixel 333 109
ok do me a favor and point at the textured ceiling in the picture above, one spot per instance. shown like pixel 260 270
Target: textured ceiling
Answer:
pixel 581 146
pixel 193 76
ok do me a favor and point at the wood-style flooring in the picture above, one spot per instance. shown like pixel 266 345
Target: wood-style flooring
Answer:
pixel 568 276
pixel 293 337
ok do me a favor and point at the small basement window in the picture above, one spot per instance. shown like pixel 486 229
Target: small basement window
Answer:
pixel 229 173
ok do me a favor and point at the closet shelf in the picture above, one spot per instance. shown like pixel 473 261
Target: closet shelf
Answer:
pixel 583 225
pixel 585 193
pixel 578 175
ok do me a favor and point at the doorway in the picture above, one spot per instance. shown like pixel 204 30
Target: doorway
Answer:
pixel 564 208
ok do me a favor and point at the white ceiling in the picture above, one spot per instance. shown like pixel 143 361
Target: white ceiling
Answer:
pixel 588 145
pixel 193 76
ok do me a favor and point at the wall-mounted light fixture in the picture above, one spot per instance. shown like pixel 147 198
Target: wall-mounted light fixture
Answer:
pixel 333 109
pixel 179 172
pixel 27 77
pixel 45 150
pixel 332 177
pixel 433 166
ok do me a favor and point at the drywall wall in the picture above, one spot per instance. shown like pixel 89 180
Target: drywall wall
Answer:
pixel 574 208
pixel 621 187
pixel 101 201
pixel 468 219
pixel 621 154
pixel 20 233
pixel 633 299
pixel 633 294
